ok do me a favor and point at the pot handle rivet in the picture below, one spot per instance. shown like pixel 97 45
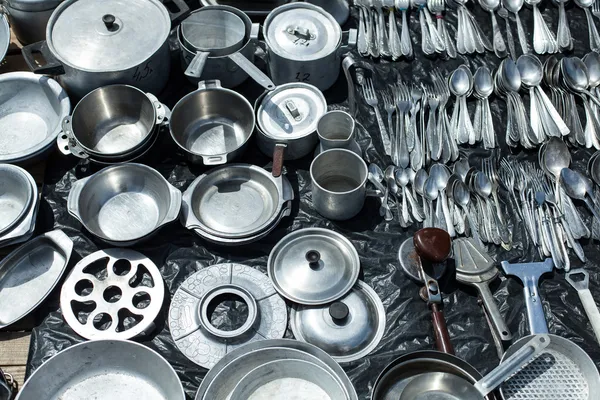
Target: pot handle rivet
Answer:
pixel 338 311
pixel 313 257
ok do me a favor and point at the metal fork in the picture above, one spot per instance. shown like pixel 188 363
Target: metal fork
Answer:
pixel 390 107
pixel 370 96
pixel 402 98
pixel 596 9
pixel 489 168
pixel 434 141
pixel 449 144
pixel 507 180
pixel 412 135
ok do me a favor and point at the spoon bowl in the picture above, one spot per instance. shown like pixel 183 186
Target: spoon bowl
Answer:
pixel 376 172
pixel 483 82
pixel 592 63
pixel 431 189
pixel 555 156
pixel 514 6
pixel 530 69
pixel 420 179
pixel 482 184
pixel 584 3
pixel 439 174
pixel 576 185
pixel 460 82
pixel 510 76
pixel 574 73
pixel 489 5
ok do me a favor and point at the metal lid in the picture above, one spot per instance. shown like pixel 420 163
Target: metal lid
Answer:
pixel 313 266
pixel 302 32
pixel 347 329
pixel 108 35
pixel 214 29
pixel 4 36
pixel 33 5
pixel 291 111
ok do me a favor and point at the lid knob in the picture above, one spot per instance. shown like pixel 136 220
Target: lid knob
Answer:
pixel 313 257
pixel 109 22
pixel 432 244
pixel 338 311
pixel 291 107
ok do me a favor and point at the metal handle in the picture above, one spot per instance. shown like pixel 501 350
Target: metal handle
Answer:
pixel 492 308
pixel 252 70
pixel 511 365
pixel 188 218
pixel 440 330
pixel 278 155
pixel 214 160
pixel 535 308
pixel 589 305
pixel 174 206
pixel 350 38
pixel 73 199
pixel 52 65
pixel 182 13
pixel 196 66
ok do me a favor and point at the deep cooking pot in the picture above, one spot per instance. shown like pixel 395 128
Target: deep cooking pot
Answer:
pixel 29 18
pixel 305 44
pixel 92 43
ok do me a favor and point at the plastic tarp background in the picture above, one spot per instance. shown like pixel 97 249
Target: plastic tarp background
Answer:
pixel 179 253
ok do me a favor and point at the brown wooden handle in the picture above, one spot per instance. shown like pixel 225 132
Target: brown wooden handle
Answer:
pixel 440 330
pixel 278 154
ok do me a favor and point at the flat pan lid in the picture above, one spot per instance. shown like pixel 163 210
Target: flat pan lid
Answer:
pixel 347 329
pixel 33 5
pixel 313 266
pixel 108 35
pixel 291 111
pixel 302 32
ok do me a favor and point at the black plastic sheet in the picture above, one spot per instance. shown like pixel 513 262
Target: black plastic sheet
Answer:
pixel 179 253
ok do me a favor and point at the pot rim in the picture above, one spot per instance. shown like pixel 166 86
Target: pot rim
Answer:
pixel 353 154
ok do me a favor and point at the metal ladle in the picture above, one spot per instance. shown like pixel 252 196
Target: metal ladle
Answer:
pixel 447 386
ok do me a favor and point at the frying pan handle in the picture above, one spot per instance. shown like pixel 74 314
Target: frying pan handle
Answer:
pixel 196 66
pixel 511 365
pixel 278 154
pixel 440 330
pixel 535 308
pixel 252 70
pixel 73 199
pixel 492 308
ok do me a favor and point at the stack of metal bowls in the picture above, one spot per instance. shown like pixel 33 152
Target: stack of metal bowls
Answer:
pixel 113 124
pixel 236 204
pixel 18 205
pixel 268 368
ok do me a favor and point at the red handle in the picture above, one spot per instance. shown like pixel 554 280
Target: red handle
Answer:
pixel 440 330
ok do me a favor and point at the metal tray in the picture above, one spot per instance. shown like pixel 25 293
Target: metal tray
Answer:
pixel 28 274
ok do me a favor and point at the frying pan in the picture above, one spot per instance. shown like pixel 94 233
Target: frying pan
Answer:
pixel 564 371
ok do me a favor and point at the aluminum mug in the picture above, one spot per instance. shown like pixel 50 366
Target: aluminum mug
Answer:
pixel 336 130
pixel 339 184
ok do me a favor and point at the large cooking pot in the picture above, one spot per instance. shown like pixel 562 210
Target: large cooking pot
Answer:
pixel 92 43
pixel 305 44
pixel 29 18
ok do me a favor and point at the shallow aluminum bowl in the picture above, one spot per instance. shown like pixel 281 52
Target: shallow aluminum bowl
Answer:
pixel 233 201
pixel 112 123
pixel 212 125
pixel 16 196
pixel 4 36
pixel 276 379
pixel 31 110
pixel 124 204
pixel 104 369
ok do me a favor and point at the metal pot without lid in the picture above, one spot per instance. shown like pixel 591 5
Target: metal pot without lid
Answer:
pixel 29 18
pixel 347 329
pixel 313 266
pixel 16 196
pixel 212 125
pixel 93 44
pixel 289 114
pixel 33 5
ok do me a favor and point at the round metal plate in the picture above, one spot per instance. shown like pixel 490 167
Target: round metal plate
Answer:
pixel 348 340
pixel 409 262
pixel 220 381
pixel 329 278
pixel 112 294
pixel 189 322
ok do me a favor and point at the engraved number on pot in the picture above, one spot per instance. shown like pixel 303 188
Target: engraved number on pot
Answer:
pixel 302 77
pixel 142 73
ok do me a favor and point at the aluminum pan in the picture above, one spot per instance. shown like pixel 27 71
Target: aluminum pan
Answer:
pixel 30 273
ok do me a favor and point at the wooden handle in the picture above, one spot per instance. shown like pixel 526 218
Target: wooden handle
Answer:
pixel 440 330
pixel 278 154
pixel 432 244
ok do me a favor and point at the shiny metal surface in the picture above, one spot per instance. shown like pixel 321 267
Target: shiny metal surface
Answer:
pixel 112 121
pixel 29 273
pixel 260 8
pixel 278 379
pixel 305 43
pixel 4 36
pixel 190 320
pixel 219 32
pixel 233 201
pixel 212 125
pixel 313 266
pixel 112 294
pixel 339 184
pixel 31 110
pixel 106 374
pixel 135 202
pixel 336 130
pixel 29 19
pixel 345 339
pixel 16 196
pixel 23 228
pixel 220 381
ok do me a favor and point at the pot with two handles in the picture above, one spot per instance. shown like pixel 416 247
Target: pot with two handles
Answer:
pixel 218 43
pixel 28 18
pixel 92 43
pixel 305 44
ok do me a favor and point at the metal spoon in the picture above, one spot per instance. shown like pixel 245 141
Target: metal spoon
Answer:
pixel 376 177
pixel 484 87
pixel 430 193
pixel 460 84
pixel 402 180
pixel 578 187
pixel 498 41
pixel 514 6
pixel 440 174
pixel 419 188
pixel 563 34
pixel 592 31
pixel 462 196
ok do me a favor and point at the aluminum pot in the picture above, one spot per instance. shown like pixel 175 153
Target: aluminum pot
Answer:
pixel 112 124
pixel 212 125
pixel 124 204
pixel 4 35
pixel 305 44
pixel 339 184
pixel 104 369
pixel 289 115
pixel 90 44
pixel 29 18
pixel 231 65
